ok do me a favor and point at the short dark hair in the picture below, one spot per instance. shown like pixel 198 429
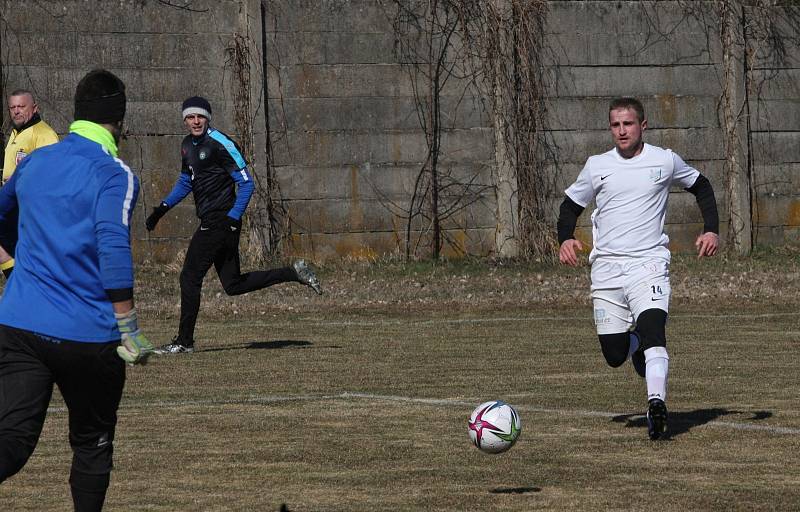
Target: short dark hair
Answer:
pixel 627 103
pixel 100 98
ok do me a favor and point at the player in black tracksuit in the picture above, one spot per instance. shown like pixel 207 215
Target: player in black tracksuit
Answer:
pixel 212 169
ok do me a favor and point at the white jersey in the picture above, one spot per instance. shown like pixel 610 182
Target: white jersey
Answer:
pixel 631 196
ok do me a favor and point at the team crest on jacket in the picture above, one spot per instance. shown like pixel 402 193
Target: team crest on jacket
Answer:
pixel 202 155
pixel 655 175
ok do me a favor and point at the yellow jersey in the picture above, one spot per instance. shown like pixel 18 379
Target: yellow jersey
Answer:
pixel 33 134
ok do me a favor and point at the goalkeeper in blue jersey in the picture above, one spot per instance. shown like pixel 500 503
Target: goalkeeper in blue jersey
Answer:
pixel 67 315
pixel 215 171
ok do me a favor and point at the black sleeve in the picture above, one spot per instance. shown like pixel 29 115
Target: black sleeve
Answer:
pixel 568 215
pixel 119 294
pixel 704 194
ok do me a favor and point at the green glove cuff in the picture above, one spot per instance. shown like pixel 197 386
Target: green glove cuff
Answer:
pixel 127 323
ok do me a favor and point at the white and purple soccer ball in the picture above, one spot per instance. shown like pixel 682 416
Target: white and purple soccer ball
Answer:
pixel 494 426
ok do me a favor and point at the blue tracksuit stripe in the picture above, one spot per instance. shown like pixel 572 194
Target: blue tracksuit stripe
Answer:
pixel 129 194
pixel 230 146
pixel 245 191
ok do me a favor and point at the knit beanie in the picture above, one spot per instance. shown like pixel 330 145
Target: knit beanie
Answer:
pixel 100 98
pixel 197 105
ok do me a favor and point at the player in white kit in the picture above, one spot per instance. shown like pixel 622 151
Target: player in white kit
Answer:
pixel 630 256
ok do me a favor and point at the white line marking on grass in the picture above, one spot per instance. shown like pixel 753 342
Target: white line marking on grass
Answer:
pixel 435 321
pixel 434 401
pixel 568 412
pixel 749 426
pixel 348 395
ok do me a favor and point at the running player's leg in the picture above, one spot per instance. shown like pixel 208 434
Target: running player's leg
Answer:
pixel 90 377
pixel 649 293
pixel 612 317
pixel 227 264
pixel 613 322
pixel 199 258
pixel 26 386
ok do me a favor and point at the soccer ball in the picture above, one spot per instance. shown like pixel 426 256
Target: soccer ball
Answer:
pixel 494 426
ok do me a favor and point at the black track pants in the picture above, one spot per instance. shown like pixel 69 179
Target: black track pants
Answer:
pixel 90 377
pixel 218 247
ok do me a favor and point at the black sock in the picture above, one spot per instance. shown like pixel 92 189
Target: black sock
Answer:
pixel 88 491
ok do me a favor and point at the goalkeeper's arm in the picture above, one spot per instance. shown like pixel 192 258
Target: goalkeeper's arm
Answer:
pixel 134 346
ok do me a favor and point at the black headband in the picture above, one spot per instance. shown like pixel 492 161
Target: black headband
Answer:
pixel 105 109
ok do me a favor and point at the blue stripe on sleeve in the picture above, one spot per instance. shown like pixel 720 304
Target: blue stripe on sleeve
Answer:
pixel 243 194
pixel 112 229
pixel 229 145
pixel 129 194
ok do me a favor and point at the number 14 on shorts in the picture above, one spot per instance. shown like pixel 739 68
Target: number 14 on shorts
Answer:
pixel 657 291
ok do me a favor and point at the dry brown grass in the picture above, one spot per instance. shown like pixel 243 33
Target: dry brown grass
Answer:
pixel 358 400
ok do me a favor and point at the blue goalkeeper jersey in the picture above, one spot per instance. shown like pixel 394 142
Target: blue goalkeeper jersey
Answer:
pixel 75 203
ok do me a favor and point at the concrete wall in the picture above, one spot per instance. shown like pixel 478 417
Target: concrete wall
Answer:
pixel 649 50
pixel 349 141
pixel 162 53
pixel 346 139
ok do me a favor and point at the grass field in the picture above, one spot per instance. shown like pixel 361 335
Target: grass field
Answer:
pixel 359 400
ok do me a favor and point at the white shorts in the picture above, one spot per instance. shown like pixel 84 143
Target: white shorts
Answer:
pixel 622 289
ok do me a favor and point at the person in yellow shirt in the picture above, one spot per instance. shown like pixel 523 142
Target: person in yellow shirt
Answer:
pixel 29 132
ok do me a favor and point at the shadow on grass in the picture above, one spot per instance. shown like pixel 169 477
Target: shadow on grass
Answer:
pixel 682 422
pixel 275 344
pixel 515 490
pixel 258 345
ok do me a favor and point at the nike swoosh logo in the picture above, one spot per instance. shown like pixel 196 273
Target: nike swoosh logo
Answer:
pixel 203 228
pixel 604 177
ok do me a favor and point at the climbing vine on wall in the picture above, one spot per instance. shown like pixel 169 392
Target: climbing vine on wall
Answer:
pixel 498 47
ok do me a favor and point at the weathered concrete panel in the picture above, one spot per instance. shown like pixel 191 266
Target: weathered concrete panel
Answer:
pixel 783 84
pixel 775 147
pixel 154 152
pixel 139 51
pixel 661 111
pixel 369 113
pixel 363 16
pixel 783 21
pixel 649 19
pixel 615 49
pixel 350 80
pixel 301 47
pixel 777 180
pixel 699 80
pixel 370 182
pixel 776 115
pixel 356 148
pixel 175 84
pixel 775 210
pixel 361 215
pixel 122 16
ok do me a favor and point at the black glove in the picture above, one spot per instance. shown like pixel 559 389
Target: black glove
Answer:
pixel 232 224
pixel 154 217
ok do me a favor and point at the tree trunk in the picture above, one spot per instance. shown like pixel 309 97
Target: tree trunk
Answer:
pixel 733 99
pixel 507 213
